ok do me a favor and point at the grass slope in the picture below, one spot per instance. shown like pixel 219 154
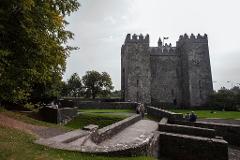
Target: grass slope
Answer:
pixel 215 114
pixel 100 117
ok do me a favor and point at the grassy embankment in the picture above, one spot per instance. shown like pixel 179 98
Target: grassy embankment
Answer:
pixel 100 117
pixel 17 145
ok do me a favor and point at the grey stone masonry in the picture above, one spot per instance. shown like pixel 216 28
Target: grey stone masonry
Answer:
pixel 166 74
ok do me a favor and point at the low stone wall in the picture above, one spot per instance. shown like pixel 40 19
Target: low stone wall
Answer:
pixel 185 147
pixel 105 105
pixel 188 130
pixel 80 99
pixel 140 146
pixel 153 147
pixel 229 132
pixel 57 115
pixel 66 103
pixel 160 113
pixel 109 131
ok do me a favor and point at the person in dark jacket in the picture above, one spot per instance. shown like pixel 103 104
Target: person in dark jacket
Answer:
pixel 193 117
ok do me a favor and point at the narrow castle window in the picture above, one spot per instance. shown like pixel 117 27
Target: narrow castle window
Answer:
pixel 137 82
pixel 172 92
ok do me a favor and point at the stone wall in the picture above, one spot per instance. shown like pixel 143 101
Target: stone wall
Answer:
pixel 165 79
pixel 229 132
pixel 160 113
pixel 187 130
pixel 105 105
pixel 140 146
pixel 185 147
pixel 109 131
pixel 57 115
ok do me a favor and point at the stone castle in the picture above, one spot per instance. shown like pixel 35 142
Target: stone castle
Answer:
pixel 165 74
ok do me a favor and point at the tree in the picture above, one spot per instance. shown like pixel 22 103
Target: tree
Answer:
pixel 116 93
pixel 64 89
pixel 97 84
pixel 74 85
pixel 227 99
pixel 33 45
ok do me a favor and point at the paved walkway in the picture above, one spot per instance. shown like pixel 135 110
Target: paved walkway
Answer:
pixel 132 133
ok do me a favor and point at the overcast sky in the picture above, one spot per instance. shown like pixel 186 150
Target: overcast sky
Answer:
pixel 100 27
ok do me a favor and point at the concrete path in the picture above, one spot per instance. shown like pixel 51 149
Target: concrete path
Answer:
pixel 132 133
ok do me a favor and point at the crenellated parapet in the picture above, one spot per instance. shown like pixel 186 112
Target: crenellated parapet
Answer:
pixel 137 38
pixel 192 38
pixel 164 50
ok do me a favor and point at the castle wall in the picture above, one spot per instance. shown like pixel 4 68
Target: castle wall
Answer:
pixel 165 77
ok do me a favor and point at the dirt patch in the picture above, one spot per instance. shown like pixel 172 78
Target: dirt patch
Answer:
pixel 40 131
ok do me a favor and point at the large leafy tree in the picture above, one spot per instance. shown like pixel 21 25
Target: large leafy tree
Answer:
pixel 97 84
pixel 74 85
pixel 33 45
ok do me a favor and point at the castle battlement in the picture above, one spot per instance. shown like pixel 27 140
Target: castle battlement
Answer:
pixel 163 50
pixel 199 38
pixel 137 38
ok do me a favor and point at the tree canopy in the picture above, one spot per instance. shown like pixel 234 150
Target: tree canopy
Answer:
pixel 74 85
pixel 226 99
pixel 33 45
pixel 97 84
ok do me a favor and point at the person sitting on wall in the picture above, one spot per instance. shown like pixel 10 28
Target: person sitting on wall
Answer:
pixel 187 117
pixel 193 117
pixel 138 108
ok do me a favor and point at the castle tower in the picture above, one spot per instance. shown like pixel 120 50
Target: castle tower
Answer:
pixel 196 76
pixel 135 69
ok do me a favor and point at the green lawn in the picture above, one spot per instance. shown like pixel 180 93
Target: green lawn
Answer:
pixel 107 110
pixel 100 117
pixel 208 114
pixel 16 145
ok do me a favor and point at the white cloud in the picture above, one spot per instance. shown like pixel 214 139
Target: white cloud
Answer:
pixel 110 19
